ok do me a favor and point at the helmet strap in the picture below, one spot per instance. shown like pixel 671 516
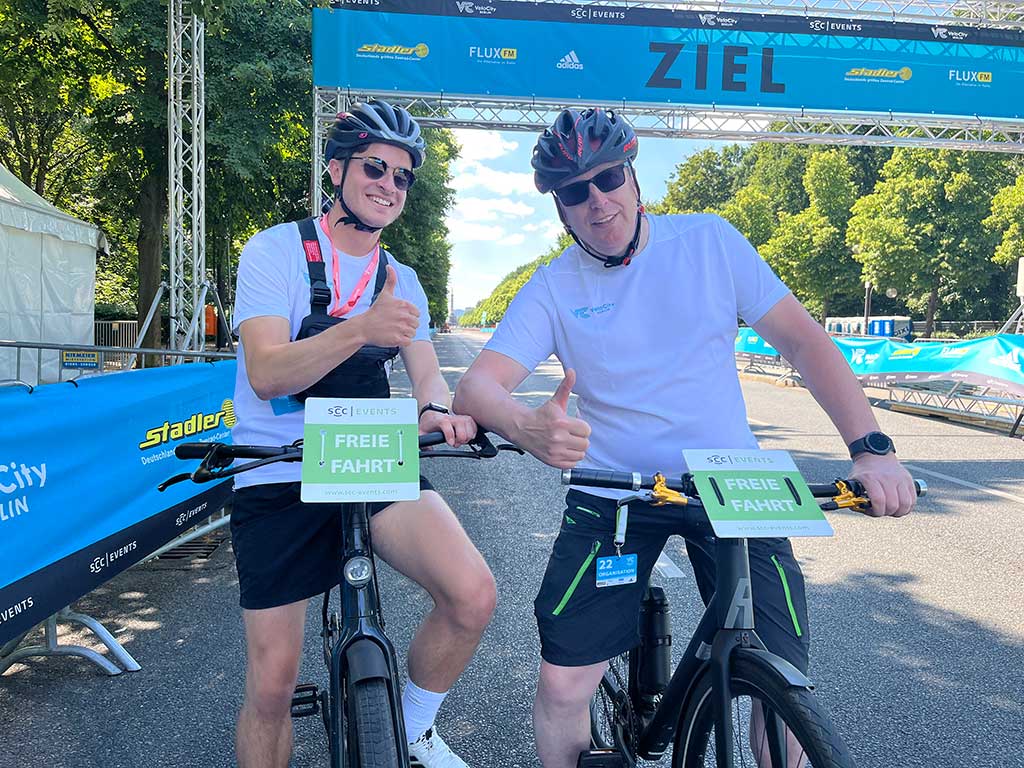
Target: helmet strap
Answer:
pixel 350 216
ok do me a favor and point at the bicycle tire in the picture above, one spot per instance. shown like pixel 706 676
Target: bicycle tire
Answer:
pixel 797 707
pixel 374 728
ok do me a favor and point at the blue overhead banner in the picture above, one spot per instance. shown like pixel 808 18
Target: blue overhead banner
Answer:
pixel 562 51
pixel 994 361
pixel 78 475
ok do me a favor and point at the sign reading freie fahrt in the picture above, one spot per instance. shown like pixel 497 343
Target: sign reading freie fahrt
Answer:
pixel 360 450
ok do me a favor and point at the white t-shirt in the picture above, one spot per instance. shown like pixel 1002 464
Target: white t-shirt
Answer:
pixel 273 280
pixel 652 342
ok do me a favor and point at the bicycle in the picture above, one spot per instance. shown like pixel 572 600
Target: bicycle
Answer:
pixel 361 707
pixel 725 671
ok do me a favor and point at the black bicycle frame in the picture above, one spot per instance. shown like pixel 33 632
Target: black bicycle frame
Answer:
pixel 727 624
pixel 361 650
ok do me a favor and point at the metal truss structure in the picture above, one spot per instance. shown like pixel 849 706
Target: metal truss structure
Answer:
pixel 733 123
pixel 186 133
pixel 978 405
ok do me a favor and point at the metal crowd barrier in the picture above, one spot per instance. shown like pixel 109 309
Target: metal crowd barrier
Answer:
pixel 123 358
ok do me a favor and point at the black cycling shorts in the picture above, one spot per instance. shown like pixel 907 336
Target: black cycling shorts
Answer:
pixel 287 550
pixel 582 624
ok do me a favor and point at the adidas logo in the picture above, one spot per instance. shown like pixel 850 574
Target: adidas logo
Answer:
pixel 569 61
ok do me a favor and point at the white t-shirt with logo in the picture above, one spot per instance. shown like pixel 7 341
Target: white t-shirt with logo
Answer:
pixel 652 342
pixel 273 280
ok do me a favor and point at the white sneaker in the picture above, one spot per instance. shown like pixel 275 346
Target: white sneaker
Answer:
pixel 430 751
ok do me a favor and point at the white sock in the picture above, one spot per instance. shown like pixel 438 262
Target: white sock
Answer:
pixel 419 708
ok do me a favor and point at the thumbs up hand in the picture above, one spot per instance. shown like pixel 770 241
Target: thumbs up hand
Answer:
pixel 553 436
pixel 390 321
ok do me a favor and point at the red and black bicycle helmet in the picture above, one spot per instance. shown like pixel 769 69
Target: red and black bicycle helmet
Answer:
pixel 579 141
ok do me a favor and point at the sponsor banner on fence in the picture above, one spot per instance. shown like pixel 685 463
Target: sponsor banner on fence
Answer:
pixel 995 361
pixel 562 51
pixel 78 475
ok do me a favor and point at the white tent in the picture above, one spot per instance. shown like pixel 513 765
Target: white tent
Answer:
pixel 47 279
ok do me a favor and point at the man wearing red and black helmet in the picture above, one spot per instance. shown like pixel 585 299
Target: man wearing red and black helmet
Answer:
pixel 320 308
pixel 642 313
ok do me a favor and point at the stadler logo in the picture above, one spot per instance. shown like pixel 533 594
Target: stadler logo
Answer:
pixel 493 54
pixel 942 33
pixel 482 10
pixel 195 424
pixel 970 77
pixel 569 61
pixel 821 25
pixel 883 74
pixel 714 20
pixel 379 51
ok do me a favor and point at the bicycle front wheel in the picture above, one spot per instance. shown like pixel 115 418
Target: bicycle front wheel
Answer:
pixel 370 712
pixel 759 698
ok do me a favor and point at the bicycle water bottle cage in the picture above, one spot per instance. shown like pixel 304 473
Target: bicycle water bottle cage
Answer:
pixel 361 375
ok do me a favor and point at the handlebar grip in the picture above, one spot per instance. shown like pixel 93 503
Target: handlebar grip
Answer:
pixel 603 478
pixel 830 489
pixel 431 438
pixel 192 450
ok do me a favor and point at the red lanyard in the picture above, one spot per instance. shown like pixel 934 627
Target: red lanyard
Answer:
pixel 357 292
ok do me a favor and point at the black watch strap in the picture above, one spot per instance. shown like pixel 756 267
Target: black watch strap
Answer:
pixel 877 443
pixel 433 407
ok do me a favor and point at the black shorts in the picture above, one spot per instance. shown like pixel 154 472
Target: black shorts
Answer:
pixel 286 550
pixel 582 624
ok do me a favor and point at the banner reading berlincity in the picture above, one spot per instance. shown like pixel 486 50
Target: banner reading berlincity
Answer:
pixel 562 52
pixel 78 475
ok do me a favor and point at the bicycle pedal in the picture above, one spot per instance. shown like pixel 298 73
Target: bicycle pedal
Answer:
pixel 305 700
pixel 600 758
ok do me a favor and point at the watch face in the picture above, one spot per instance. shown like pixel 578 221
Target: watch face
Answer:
pixel 878 443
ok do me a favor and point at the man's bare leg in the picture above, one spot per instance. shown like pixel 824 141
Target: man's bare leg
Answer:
pixel 273 648
pixel 424 541
pixel 795 756
pixel 561 712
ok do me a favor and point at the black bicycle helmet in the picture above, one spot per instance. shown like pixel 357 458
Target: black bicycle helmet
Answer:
pixel 579 141
pixel 375 122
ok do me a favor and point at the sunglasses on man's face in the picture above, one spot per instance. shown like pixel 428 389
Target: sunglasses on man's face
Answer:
pixel 375 168
pixel 607 180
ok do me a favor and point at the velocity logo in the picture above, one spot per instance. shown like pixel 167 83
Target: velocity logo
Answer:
pixel 569 61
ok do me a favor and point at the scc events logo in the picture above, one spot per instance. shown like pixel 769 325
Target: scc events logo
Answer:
pixel 597 14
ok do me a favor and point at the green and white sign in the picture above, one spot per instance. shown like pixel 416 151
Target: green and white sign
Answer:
pixel 755 494
pixel 360 450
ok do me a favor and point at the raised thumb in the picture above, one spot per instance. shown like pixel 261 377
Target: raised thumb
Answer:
pixel 561 396
pixel 391 281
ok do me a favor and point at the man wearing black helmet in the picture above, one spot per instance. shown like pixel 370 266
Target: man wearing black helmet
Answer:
pixel 642 313
pixel 320 308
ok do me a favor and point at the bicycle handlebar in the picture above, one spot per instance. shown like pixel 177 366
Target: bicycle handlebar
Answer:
pixel 635 481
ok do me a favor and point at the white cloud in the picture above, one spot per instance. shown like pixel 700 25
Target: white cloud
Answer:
pixel 482 145
pixel 500 182
pixel 465 231
pixel 531 227
pixel 514 239
pixel 488 209
pixel 554 229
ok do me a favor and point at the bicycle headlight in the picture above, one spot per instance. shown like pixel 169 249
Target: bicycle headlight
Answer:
pixel 358 571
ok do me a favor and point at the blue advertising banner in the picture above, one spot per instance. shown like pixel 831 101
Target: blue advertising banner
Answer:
pixel 79 468
pixel 995 361
pixel 559 52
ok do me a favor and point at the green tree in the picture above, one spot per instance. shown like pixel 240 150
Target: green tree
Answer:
pixel 704 181
pixel 752 212
pixel 921 232
pixel 808 250
pixel 1007 219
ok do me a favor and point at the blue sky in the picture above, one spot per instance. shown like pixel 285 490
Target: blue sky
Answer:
pixel 500 221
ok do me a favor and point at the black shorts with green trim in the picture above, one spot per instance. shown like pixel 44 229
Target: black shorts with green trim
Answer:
pixel 287 550
pixel 582 624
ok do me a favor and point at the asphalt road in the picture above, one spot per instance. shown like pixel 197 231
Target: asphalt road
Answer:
pixel 917 624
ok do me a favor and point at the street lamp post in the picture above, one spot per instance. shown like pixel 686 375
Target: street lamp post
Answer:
pixel 868 290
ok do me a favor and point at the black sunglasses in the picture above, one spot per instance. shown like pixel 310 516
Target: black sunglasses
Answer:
pixel 375 168
pixel 578 192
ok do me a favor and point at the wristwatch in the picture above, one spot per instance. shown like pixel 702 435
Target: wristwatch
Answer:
pixel 877 443
pixel 433 407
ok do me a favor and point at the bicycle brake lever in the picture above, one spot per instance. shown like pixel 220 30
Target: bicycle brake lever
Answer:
pixel 172 480
pixel 510 447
